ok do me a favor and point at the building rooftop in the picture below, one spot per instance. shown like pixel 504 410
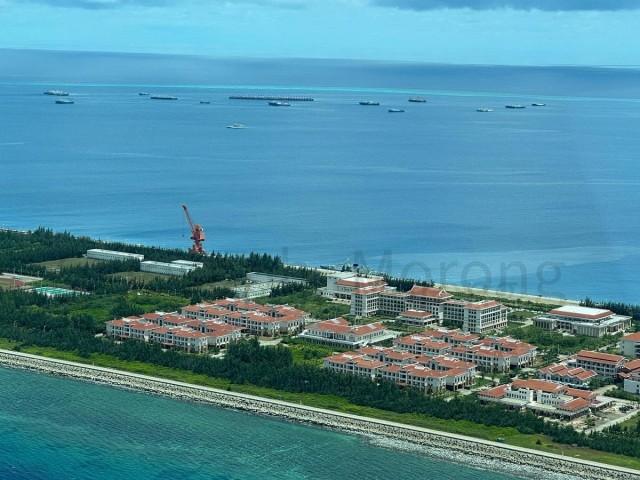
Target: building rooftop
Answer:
pixel 430 292
pixel 632 337
pixel 585 313
pixel 599 356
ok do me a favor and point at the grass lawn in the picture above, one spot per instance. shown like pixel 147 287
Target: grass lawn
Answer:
pixel 510 435
pixel 305 352
pixel 319 307
pixel 55 265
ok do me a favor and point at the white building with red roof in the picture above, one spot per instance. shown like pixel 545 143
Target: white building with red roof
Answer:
pixel 429 374
pixel 497 354
pixel 630 345
pixel 604 364
pixel 137 328
pixel 544 397
pixel 418 318
pixel 476 317
pixel 568 375
pixel 251 317
pixel 578 320
pixel 338 331
pixel 429 299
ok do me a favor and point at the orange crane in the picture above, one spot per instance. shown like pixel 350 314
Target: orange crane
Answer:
pixel 197 233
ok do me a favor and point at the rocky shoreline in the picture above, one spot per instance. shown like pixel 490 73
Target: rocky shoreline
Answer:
pixel 484 451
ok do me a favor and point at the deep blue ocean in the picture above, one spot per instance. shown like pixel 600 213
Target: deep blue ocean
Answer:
pixel 53 428
pixel 542 200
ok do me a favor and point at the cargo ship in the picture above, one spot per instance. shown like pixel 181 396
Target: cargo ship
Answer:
pixel 163 97
pixel 265 98
pixel 57 93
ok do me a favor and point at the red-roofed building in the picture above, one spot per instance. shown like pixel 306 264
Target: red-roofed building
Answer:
pixel 418 318
pixel 251 317
pixel 476 317
pixel 630 345
pixel 544 397
pixel 578 320
pixel 559 372
pixel 603 364
pixel 338 331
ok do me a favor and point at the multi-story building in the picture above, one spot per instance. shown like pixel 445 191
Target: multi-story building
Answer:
pixel 169 336
pixel 592 322
pixel 632 384
pixel 338 331
pixel 477 317
pixel 417 318
pixel 340 285
pixel 604 364
pixel 630 345
pixel 544 397
pixel 164 268
pixel 100 254
pixel 568 375
pixel 254 318
pixel 188 263
pixel 370 295
pixel 422 344
pixel 429 374
pixel 496 354
pixel 429 299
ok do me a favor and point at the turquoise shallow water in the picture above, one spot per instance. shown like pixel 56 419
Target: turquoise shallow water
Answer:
pixel 53 428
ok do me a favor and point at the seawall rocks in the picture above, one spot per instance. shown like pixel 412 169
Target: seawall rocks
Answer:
pixel 334 420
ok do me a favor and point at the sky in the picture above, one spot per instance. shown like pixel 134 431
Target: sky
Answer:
pixel 507 32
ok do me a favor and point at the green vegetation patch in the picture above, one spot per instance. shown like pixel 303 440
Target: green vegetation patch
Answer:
pixel 319 307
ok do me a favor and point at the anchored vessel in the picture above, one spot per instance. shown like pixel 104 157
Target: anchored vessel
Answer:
pixel 64 102
pixel 143 94
pixel 57 93
pixel 279 104
pixel 484 110
pixel 417 100
pixel 369 103
pixel 395 110
pixel 517 107
pixel 163 97
pixel 204 102
pixel 538 104
pixel 237 126
pixel 271 98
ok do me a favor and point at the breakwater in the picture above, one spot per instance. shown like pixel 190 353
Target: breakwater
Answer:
pixel 325 418
pixel 272 98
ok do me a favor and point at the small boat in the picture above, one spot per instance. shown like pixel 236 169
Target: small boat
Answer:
pixel 484 110
pixel 65 102
pixel 516 107
pixel 417 100
pixel 370 103
pixel 395 110
pixel 279 104
pixel 237 126
pixel 538 104
pixel 205 102
pixel 57 93
pixel 143 94
pixel 163 97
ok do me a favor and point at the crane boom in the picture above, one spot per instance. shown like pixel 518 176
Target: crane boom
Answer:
pixel 186 212
pixel 197 233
